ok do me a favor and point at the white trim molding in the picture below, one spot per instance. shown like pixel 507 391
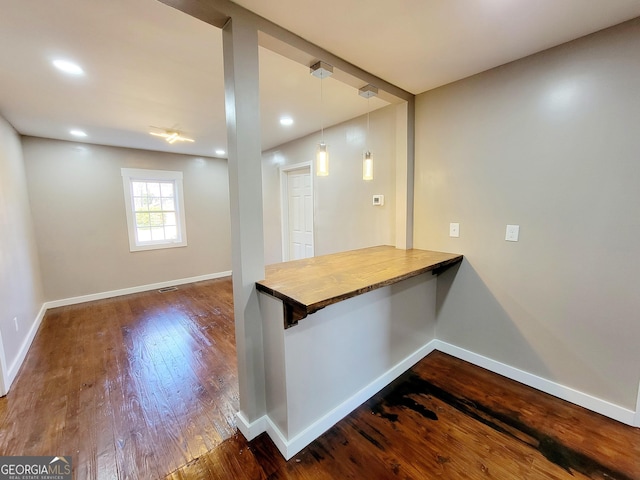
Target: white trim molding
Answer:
pixel 131 175
pixel 4 374
pixel 563 392
pixel 289 447
pixel 251 430
pixel 636 423
pixel 328 420
pixel 14 368
pixel 126 291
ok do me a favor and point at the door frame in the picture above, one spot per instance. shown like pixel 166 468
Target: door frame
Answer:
pixel 284 205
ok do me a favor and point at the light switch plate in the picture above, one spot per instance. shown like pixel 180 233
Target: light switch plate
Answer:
pixel 454 230
pixel 513 232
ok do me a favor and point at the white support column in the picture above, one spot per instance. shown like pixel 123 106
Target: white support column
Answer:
pixel 240 45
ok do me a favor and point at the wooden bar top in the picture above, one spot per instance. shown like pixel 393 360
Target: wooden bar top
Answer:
pixel 305 286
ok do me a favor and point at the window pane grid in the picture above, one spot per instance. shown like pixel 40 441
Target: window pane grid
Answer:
pixel 155 211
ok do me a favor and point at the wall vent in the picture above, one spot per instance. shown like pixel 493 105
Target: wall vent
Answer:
pixel 167 289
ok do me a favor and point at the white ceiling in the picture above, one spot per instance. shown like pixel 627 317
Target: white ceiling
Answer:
pixel 148 64
pixel 422 44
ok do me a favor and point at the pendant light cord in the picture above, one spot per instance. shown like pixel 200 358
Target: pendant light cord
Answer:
pixel 368 111
pixel 321 112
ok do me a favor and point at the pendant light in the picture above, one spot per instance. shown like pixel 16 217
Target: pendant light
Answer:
pixel 367 92
pixel 367 166
pixel 322 70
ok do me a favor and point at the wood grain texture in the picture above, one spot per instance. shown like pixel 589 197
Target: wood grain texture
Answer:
pixel 448 419
pixel 145 387
pixel 305 286
pixel 131 387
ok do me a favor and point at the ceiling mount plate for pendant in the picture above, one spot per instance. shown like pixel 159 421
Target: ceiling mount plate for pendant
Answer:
pixel 321 70
pixel 368 91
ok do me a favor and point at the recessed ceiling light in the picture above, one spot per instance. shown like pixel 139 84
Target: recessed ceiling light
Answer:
pixel 77 133
pixel 286 121
pixel 219 151
pixel 68 67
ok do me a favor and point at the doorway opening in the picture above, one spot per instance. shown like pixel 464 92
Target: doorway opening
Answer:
pixel 297 211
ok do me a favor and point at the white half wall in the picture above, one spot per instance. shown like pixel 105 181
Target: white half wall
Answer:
pixel 320 370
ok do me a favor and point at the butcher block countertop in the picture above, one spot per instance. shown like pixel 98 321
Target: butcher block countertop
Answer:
pixel 305 286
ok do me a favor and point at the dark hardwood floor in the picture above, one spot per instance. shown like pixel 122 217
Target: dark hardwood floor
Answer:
pixel 144 386
pixel 131 387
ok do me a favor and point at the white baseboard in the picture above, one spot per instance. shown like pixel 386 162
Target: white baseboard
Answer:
pixel 569 394
pixel 290 447
pixel 4 373
pixel 126 291
pixel 636 423
pixel 14 368
pixel 251 430
pixel 280 441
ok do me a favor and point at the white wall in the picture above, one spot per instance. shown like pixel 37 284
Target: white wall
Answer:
pixel 79 215
pixel 551 143
pixel 345 218
pixel 21 294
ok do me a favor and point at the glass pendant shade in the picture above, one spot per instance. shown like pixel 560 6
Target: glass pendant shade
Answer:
pixel 321 70
pixel 367 92
pixel 322 160
pixel 367 166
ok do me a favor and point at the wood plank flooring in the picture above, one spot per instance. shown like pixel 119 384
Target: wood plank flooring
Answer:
pixel 144 386
pixel 131 387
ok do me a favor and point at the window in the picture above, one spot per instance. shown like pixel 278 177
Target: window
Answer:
pixel 155 209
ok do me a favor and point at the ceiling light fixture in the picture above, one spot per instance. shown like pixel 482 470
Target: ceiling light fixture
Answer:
pixel 68 67
pixel 171 135
pixel 286 121
pixel 77 133
pixel 219 151
pixel 367 92
pixel 322 70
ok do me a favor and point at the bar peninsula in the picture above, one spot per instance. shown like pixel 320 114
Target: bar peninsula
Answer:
pixel 305 286
pixel 360 319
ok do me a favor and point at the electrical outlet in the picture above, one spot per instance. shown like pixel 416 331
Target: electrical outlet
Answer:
pixel 454 230
pixel 15 322
pixel 513 232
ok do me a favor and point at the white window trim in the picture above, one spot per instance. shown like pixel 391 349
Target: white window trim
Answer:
pixel 132 174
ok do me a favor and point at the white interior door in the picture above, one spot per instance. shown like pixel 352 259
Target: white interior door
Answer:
pixel 300 213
